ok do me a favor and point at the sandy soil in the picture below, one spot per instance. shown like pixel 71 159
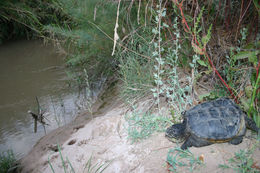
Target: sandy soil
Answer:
pixel 105 138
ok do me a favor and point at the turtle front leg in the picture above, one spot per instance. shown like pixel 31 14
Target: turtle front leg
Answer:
pixel 187 143
pixel 195 141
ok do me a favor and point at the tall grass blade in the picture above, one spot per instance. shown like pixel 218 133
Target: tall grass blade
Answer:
pixel 62 160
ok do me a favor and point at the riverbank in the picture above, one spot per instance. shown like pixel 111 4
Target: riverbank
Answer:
pixel 105 138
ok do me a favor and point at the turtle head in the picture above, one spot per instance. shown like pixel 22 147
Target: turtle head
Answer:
pixel 176 133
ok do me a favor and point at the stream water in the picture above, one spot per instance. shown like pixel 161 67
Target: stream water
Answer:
pixel 29 69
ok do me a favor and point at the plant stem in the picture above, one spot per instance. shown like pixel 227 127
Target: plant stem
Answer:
pixel 254 94
pixel 159 54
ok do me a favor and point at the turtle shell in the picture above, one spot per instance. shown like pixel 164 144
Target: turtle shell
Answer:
pixel 218 120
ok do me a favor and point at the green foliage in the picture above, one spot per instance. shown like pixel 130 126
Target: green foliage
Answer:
pixel 7 161
pixel 253 108
pixel 14 16
pixel 82 34
pixel 197 28
pixel 134 70
pixel 178 94
pixel 25 19
pixel 142 125
pixel 242 162
pixel 239 74
pixel 148 63
pixel 177 158
pixel 166 74
pixel 157 53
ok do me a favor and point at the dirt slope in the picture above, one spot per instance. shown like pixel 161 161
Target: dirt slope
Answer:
pixel 105 138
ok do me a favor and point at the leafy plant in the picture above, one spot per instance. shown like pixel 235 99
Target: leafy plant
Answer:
pixel 244 57
pixel 242 162
pixel 177 158
pixel 157 53
pixel 166 74
pixel 7 161
pixel 178 94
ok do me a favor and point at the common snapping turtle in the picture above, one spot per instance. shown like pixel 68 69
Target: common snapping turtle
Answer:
pixel 216 121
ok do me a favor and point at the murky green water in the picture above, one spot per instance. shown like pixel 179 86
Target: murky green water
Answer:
pixel 29 69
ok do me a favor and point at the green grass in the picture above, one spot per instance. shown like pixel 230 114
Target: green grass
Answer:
pixel 97 168
pixel 7 161
pixel 135 67
pixel 89 167
pixel 82 36
pixel 64 163
pixel 177 158
pixel 142 125
pixel 243 162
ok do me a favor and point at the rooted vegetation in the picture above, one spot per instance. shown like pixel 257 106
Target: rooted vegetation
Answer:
pixel 163 48
pixel 142 125
pixel 7 161
pixel 179 158
pixel 243 161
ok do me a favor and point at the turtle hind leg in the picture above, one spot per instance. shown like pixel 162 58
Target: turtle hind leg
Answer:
pixel 236 140
pixel 194 141
pixel 251 124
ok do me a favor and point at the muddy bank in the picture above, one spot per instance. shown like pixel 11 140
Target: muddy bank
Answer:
pixel 60 135
pixel 105 139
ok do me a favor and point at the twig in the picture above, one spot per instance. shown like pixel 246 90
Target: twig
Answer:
pixel 242 16
pixel 161 148
pixel 116 37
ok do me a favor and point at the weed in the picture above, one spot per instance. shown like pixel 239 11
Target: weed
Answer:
pixel 167 75
pixel 157 54
pixel 177 158
pixel 97 168
pixel 64 164
pixel 241 75
pixel 242 162
pixel 142 125
pixel 7 161
pixel 136 71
